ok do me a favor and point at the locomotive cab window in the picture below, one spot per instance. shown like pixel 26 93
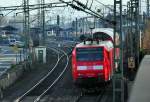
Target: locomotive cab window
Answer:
pixel 101 36
pixel 89 54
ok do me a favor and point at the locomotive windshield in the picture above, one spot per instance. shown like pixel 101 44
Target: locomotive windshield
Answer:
pixel 89 54
pixel 101 36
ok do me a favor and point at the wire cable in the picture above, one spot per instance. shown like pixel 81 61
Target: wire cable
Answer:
pixel 9 13
pixel 104 5
pixel 87 2
pixel 91 4
pixel 87 10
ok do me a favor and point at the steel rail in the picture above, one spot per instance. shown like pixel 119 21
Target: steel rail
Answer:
pixel 27 92
pixel 55 81
pixel 97 98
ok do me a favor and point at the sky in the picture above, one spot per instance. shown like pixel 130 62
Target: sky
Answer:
pixel 18 2
pixel 95 3
pixel 60 11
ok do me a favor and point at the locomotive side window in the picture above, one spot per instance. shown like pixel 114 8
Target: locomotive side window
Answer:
pixel 89 54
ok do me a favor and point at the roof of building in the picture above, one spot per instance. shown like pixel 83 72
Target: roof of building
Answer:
pixel 53 27
pixel 9 28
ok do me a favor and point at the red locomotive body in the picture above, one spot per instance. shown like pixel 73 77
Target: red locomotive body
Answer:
pixel 93 59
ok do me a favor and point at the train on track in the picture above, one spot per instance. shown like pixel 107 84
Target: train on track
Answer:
pixel 93 58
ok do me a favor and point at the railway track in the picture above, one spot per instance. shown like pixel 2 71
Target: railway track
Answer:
pixel 93 95
pixel 47 82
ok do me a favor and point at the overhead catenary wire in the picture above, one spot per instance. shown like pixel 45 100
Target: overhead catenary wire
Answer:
pixel 20 7
pixel 41 7
pixel 104 5
pixel 85 9
pixel 87 2
pixel 91 4
pixel 9 13
pixel 33 6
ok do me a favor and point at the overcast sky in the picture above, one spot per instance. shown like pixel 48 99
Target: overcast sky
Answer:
pixel 60 10
pixel 18 2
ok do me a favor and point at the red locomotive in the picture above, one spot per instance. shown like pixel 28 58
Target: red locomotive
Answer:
pixel 94 59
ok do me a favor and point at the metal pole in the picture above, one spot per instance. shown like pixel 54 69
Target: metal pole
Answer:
pixel 138 31
pixel 43 21
pixel 20 55
pixel 118 91
pixel 27 28
pixel 76 27
pixel 140 5
pixel 83 20
pixel 128 26
pixel 94 22
pixel 121 40
pixel 16 57
pixel 131 22
pixel 135 29
pixel 148 8
pixel 58 24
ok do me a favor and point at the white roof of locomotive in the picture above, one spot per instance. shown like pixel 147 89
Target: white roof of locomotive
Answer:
pixel 108 31
pixel 107 44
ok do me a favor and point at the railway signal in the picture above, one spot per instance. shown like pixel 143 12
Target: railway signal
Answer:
pixel 131 62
